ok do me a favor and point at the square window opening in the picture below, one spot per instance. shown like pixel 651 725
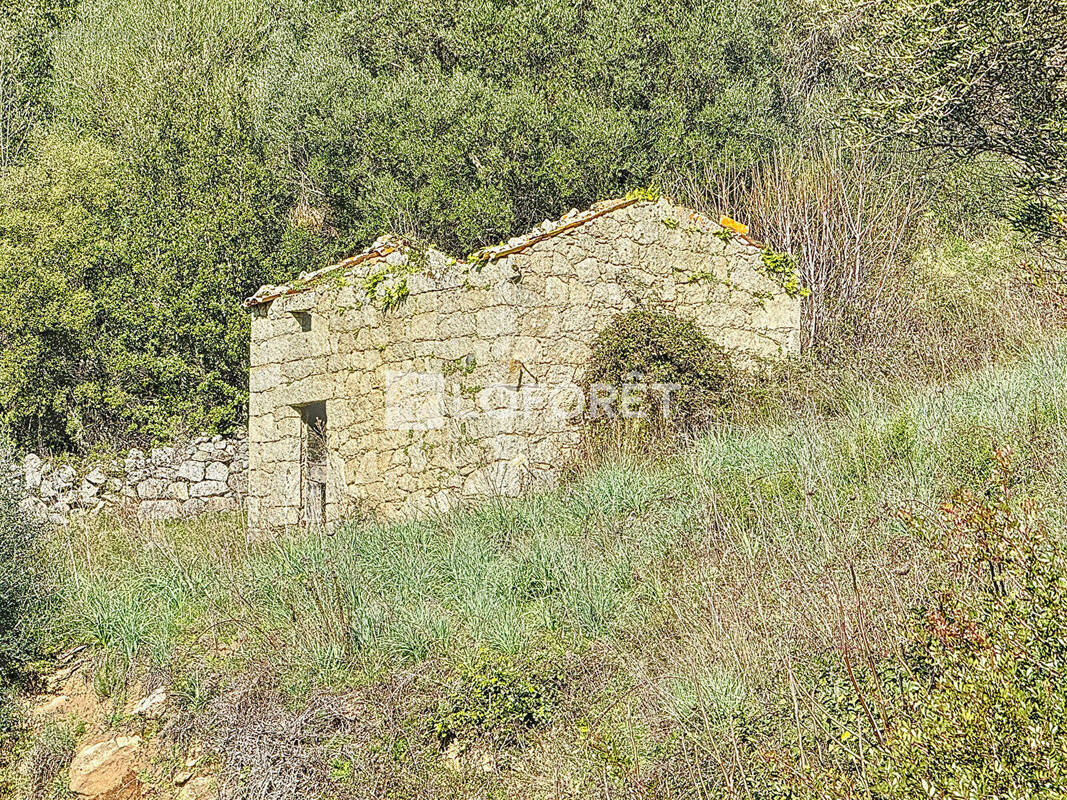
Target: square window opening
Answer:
pixel 304 319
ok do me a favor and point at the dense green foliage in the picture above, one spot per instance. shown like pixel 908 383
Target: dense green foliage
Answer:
pixel 641 350
pixel 973 77
pixel 182 152
pixel 491 695
pixel 122 312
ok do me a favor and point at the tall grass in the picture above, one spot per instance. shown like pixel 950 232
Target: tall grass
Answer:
pixel 902 266
pixel 684 598
pixel 745 533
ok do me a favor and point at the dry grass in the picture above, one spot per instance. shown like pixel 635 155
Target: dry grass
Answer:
pixel 850 217
pixel 47 761
pixel 895 286
pixel 684 601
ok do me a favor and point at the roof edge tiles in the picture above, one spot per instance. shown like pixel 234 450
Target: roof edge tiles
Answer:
pixel 388 244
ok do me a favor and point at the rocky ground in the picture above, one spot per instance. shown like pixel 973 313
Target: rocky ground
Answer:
pixel 122 752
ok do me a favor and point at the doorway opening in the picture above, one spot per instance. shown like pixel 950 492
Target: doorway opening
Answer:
pixel 313 463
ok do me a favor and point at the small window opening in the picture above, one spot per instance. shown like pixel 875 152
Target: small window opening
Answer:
pixel 313 463
pixel 304 318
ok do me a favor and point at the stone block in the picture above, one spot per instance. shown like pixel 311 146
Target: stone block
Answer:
pixel 207 488
pixel 107 769
pixel 33 468
pixel 161 455
pixel 494 322
pixel 193 471
pixel 216 471
pixel 178 490
pixel 62 477
pixel 150 489
pixel 135 460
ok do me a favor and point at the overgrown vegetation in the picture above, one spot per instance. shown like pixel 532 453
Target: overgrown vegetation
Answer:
pixel 162 160
pixel 656 370
pixel 851 584
pixel 159 161
pixel 673 612
pixel 969 703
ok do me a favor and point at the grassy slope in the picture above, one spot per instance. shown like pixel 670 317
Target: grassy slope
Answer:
pixel 670 598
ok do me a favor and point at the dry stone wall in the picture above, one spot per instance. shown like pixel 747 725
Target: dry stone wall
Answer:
pixel 445 381
pixel 209 473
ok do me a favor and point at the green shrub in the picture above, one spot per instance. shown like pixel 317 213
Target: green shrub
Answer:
pixel 973 706
pixel 644 348
pixel 20 590
pixel 496 697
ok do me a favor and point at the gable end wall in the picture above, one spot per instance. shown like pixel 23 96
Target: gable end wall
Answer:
pixel 525 320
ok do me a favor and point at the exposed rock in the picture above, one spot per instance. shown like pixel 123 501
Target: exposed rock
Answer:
pixel 203 454
pixel 161 455
pixel 57 706
pixel 97 477
pixel 216 471
pixel 192 471
pixel 107 770
pixel 62 477
pixel 135 459
pixel 33 471
pixel 33 507
pixel 151 706
pixel 150 489
pixel 199 789
pixel 207 489
pixel 178 490
pixel 183 777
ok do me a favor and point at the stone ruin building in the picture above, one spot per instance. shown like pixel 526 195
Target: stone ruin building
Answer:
pixel 401 380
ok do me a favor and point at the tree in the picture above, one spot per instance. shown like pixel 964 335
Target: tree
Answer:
pixel 973 77
pixel 26 32
pixel 54 237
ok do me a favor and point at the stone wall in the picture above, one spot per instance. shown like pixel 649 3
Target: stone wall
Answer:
pixel 209 473
pixel 488 346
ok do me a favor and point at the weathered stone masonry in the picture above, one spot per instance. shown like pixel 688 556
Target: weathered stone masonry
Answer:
pixel 204 474
pixel 345 349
